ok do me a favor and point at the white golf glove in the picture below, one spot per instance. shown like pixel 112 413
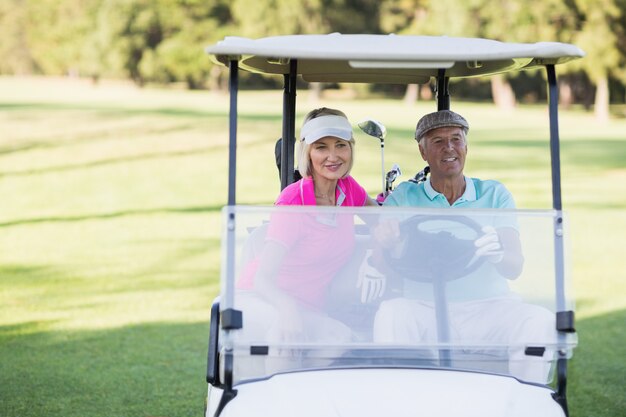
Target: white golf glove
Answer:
pixel 489 246
pixel 371 281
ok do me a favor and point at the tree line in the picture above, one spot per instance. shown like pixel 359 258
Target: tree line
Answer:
pixel 162 41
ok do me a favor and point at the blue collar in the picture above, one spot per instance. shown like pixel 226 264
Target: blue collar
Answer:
pixel 468 195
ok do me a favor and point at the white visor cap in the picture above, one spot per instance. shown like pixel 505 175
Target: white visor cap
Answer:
pixel 320 127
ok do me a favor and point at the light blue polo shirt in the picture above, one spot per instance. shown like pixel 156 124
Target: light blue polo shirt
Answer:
pixel 478 194
pixel 485 282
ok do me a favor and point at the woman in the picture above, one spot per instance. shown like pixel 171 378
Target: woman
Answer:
pixel 285 287
pixel 326 157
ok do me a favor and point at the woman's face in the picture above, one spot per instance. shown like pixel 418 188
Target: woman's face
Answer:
pixel 330 158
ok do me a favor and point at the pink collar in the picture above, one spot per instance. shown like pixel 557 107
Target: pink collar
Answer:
pixel 307 192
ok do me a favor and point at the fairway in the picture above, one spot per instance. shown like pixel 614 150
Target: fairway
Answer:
pixel 110 232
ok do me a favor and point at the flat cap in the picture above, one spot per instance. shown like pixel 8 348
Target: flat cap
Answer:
pixel 441 118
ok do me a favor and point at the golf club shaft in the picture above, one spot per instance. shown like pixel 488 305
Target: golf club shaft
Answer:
pixel 382 162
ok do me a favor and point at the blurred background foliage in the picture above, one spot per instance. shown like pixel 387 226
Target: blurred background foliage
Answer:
pixel 161 41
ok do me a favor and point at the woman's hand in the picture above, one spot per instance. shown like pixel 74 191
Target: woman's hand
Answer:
pixel 289 328
pixel 371 282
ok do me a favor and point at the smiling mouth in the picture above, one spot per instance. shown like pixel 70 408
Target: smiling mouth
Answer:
pixel 333 166
pixel 450 159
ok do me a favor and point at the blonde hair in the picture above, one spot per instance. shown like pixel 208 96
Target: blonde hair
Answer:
pixel 304 149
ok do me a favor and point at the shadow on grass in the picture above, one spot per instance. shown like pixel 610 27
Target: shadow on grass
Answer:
pixel 158 370
pixel 116 214
pixel 121 134
pixel 15 275
pixel 206 150
pixel 126 111
pixel 144 370
pixel 596 373
pixel 597 154
pixel 118 160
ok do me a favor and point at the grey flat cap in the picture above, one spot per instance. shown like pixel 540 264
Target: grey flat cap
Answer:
pixel 441 118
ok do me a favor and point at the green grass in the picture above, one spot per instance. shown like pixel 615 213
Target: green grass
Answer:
pixel 110 233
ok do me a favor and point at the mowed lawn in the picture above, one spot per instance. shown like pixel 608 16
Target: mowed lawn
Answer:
pixel 110 233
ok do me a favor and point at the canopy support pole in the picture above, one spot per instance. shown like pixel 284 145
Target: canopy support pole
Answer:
pixel 233 84
pixel 289 125
pixel 560 395
pixel 553 102
pixel 227 307
pixel 443 95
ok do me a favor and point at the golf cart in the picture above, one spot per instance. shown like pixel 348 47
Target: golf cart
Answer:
pixel 337 364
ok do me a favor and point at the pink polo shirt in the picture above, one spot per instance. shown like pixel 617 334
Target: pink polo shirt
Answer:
pixel 348 193
pixel 318 245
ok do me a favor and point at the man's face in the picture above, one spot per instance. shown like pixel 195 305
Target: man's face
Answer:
pixel 444 149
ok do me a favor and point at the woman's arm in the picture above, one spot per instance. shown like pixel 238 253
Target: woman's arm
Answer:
pixel 265 283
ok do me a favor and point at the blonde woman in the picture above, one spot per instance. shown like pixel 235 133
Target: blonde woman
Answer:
pixel 326 156
pixel 286 286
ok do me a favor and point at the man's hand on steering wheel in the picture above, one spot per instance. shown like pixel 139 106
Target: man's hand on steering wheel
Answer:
pixel 387 236
pixel 432 255
pixel 488 246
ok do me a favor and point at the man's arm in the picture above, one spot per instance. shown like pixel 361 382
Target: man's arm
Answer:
pixel 512 261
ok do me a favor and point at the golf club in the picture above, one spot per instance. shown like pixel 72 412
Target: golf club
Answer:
pixel 392 175
pixel 376 129
pixel 421 176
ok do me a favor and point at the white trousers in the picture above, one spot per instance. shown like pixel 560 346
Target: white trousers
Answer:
pixel 262 327
pixel 502 321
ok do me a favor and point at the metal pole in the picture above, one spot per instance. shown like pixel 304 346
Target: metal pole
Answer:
pixel 232 174
pixel 443 95
pixel 289 125
pixel 228 300
pixel 553 101
pixel 232 144
pixel 443 321
pixel 382 164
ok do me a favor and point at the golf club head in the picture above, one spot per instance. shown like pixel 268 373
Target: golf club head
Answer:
pixel 391 176
pixel 373 128
pixel 421 176
pixel 395 169
pixel 376 129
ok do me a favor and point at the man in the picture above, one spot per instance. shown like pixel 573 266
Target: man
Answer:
pixel 481 306
pixel 442 141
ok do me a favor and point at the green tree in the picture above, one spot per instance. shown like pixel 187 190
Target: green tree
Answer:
pixel 56 32
pixel 261 18
pixel 602 36
pixel 156 40
pixel 406 17
pixel 403 16
pixel 15 56
pixel 146 40
pixel 285 17
pixel 163 40
pixel 180 57
pixel 127 29
pixel 505 20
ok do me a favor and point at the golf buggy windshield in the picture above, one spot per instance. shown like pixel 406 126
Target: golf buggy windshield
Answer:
pixel 345 287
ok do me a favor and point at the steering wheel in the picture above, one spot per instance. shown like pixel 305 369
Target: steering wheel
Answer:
pixel 423 259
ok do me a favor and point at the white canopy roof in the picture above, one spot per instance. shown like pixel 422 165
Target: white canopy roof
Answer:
pixel 398 59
